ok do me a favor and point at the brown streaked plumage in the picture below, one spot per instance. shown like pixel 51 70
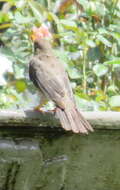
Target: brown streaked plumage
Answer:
pixel 50 77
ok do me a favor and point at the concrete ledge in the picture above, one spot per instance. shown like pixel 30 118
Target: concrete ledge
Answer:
pixel 99 120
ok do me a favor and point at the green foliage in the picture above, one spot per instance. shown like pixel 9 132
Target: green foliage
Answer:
pixel 86 38
pixel 100 69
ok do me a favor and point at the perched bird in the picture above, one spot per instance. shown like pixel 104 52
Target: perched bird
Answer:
pixel 49 76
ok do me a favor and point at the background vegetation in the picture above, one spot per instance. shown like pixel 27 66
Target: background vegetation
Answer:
pixel 86 38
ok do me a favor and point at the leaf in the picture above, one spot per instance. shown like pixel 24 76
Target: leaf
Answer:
pixel 68 37
pixel 4 17
pixel 20 4
pixel 37 10
pixel 75 55
pixel 74 73
pixel 114 101
pixel 114 27
pixel 103 31
pixel 63 56
pixel 101 97
pixel 94 54
pixel 19 19
pixel 84 3
pixel 100 8
pixel 8 53
pixel 82 94
pixel 13 56
pixel 100 70
pixel 68 24
pixel 85 104
pixel 113 62
pixel 18 71
pixel 112 88
pixel 20 85
pixel 52 16
pixel 12 2
pixel 91 43
pixel 104 40
pixel 63 5
pixel 5 66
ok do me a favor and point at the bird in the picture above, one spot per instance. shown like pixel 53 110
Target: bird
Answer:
pixel 50 77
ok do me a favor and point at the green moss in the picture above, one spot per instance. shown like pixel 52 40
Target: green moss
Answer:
pixel 51 161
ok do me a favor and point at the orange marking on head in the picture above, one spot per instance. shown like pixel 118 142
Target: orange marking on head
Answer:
pixel 40 33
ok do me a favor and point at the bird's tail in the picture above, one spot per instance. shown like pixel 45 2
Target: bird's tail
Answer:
pixel 73 120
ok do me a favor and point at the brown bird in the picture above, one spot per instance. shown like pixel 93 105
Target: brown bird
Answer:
pixel 50 77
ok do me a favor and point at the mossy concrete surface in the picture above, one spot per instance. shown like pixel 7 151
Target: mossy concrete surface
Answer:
pixel 47 160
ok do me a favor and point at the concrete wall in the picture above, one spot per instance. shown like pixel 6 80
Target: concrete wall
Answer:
pixel 34 160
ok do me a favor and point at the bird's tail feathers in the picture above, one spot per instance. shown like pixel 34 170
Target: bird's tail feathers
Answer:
pixel 73 120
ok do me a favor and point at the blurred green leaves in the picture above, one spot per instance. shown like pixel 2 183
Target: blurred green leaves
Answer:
pixel 37 10
pixel 20 85
pixel 86 39
pixel 114 102
pixel 100 70
pixel 20 19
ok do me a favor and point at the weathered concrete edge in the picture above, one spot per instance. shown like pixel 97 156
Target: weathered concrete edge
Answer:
pixel 99 120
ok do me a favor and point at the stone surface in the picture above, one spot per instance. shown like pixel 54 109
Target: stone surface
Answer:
pixel 32 118
pixel 32 160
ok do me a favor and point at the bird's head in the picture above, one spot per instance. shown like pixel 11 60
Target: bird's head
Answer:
pixel 41 37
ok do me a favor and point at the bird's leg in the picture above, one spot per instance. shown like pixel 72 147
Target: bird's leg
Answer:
pixel 43 102
pixel 40 106
pixel 53 110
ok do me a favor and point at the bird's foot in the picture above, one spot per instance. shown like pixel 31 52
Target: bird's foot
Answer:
pixel 39 109
pixel 52 111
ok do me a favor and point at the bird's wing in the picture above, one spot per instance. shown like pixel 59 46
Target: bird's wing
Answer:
pixel 48 81
pixel 68 86
pixel 64 77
